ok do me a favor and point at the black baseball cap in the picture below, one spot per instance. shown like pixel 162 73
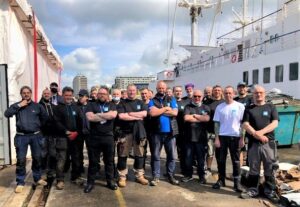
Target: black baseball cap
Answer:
pixel 83 92
pixel 53 84
pixel 241 84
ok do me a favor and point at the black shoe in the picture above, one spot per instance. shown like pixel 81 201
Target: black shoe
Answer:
pixel 273 197
pixel 112 185
pixel 218 184
pixel 202 180
pixel 173 181
pixel 237 186
pixel 88 188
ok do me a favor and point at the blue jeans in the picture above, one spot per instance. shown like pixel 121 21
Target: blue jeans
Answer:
pixel 198 149
pixel 169 143
pixel 36 142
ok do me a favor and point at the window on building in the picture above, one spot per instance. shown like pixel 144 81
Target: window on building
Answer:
pixel 246 77
pixel 255 76
pixel 279 73
pixel 267 75
pixel 294 71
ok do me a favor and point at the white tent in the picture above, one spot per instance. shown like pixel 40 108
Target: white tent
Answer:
pixel 27 55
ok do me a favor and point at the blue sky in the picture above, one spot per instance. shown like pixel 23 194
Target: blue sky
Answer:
pixel 105 38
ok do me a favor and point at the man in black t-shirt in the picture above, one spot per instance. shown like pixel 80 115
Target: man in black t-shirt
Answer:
pixel 132 112
pixel 217 98
pixel 245 99
pixel 195 114
pixel 260 121
pixel 177 91
pixel 101 115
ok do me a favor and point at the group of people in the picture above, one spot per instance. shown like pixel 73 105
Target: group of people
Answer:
pixel 199 126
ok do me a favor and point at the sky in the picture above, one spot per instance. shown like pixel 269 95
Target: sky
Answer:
pixel 102 39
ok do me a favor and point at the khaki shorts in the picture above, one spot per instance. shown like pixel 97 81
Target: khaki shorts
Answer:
pixel 125 146
pixel 210 145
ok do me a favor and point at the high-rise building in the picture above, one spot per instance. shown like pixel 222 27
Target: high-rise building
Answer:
pixel 79 82
pixel 140 81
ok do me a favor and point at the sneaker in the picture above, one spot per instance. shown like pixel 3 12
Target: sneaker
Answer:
pixel 248 194
pixel 60 185
pixel 218 184
pixel 154 182
pixel 78 181
pixel 173 181
pixel 207 173
pixel 41 182
pixel 142 180
pixel 202 180
pixel 19 189
pixel 186 179
pixel 122 182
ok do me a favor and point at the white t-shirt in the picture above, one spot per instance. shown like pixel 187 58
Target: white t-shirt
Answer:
pixel 230 117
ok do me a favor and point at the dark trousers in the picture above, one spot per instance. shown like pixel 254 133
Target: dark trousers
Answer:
pixel 76 153
pixel 198 149
pixel 180 143
pixel 57 149
pixel 231 143
pixel 169 143
pixel 35 141
pixel 95 147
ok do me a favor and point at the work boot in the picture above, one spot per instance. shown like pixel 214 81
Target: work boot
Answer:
pixel 220 183
pixel 41 182
pixel 273 197
pixel 154 182
pixel 19 189
pixel 142 180
pixel 237 185
pixel 122 182
pixel 60 185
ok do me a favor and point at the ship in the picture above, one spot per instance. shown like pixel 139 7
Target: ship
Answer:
pixel 264 51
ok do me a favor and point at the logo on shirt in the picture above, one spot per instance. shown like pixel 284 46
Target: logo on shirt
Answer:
pixel 74 113
pixel 105 109
pixel 138 107
pixel 233 112
pixel 182 107
pixel 168 104
pixel 265 113
pixel 203 112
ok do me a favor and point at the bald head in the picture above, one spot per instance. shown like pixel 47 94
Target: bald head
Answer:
pixel 161 87
pixel 259 95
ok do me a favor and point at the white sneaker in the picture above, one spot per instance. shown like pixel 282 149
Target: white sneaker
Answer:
pixel 41 182
pixel 19 189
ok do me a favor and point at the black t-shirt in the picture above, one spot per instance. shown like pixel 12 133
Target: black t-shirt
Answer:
pixel 213 106
pixel 180 121
pixel 247 101
pixel 259 117
pixel 101 128
pixel 207 100
pixel 196 132
pixel 126 106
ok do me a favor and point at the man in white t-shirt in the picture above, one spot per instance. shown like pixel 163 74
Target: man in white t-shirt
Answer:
pixel 229 135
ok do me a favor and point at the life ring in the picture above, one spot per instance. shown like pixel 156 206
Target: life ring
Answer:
pixel 233 58
pixel 169 74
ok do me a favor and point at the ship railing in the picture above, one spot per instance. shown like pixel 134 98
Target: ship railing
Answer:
pixel 257 25
pixel 287 41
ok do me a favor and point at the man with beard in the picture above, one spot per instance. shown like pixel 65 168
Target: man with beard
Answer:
pixel 163 111
pixel 30 117
pixel 101 115
pixel 189 88
pixel 55 97
pixel 49 132
pixel 69 119
pixel 132 112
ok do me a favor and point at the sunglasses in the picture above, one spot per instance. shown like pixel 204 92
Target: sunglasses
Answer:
pixel 197 96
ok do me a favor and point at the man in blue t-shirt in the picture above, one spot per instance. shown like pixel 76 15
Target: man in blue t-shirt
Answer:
pixel 163 110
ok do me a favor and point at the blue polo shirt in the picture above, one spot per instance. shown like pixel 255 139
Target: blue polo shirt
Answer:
pixel 165 121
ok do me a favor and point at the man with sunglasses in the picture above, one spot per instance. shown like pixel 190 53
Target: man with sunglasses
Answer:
pixel 195 116
pixel 101 115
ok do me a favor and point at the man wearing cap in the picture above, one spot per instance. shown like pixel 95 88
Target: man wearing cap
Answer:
pixel 55 97
pixel 69 119
pixel 189 88
pixel 82 104
pixel 30 117
pixel 246 100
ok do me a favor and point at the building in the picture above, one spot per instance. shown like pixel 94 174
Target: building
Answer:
pixel 79 82
pixel 140 81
